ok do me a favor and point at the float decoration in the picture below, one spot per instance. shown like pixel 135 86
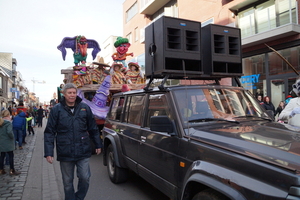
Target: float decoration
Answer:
pixel 98 103
pixel 79 45
pixel 122 45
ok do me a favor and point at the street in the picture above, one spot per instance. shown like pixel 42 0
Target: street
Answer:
pixel 41 180
pixel 102 188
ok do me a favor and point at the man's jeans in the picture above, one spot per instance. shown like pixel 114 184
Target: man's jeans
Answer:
pixel 18 136
pixel 83 174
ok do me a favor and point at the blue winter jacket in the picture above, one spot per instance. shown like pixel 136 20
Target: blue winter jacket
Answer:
pixel 72 132
pixel 19 121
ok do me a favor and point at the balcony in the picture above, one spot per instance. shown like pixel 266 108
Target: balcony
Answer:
pixel 274 34
pixel 149 7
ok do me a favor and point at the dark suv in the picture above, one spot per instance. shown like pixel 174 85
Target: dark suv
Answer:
pixel 207 142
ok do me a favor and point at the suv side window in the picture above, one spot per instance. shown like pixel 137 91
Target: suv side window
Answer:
pixel 116 108
pixel 157 106
pixel 134 109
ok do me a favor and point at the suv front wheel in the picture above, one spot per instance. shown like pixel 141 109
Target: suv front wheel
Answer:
pixel 209 194
pixel 116 174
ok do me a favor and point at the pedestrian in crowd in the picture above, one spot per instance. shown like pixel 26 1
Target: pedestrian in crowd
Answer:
pixel 46 113
pixel 29 124
pixel 71 124
pixel 10 109
pixel 40 116
pixel 293 107
pixel 31 113
pixel 21 107
pixel 260 99
pixel 268 105
pixel 279 108
pixel 19 125
pixel 7 142
pixel 14 111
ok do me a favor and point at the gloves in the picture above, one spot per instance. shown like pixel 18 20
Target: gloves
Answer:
pixel 295 111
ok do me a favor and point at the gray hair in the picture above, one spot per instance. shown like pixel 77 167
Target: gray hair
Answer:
pixel 68 86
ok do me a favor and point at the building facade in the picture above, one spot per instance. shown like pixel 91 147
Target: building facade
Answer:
pixel 271 22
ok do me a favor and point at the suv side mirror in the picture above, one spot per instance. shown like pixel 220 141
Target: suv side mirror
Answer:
pixel 162 124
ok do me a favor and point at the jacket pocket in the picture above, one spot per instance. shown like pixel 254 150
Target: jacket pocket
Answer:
pixel 85 146
pixel 64 147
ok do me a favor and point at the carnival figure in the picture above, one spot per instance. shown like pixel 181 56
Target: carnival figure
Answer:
pixel 117 73
pixel 122 45
pixel 79 45
pixel 134 75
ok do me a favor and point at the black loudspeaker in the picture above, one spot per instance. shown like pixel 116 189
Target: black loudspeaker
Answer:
pixel 221 50
pixel 173 47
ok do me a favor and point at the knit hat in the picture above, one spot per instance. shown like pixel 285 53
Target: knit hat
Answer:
pixel 120 41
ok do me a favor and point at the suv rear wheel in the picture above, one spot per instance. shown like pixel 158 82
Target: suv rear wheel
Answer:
pixel 209 194
pixel 116 174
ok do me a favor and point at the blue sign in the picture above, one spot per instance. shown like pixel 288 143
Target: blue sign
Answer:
pixel 13 89
pixel 250 80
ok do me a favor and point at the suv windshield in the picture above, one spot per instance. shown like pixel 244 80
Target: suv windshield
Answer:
pixel 213 104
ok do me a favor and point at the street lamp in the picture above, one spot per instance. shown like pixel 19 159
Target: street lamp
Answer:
pixel 37 81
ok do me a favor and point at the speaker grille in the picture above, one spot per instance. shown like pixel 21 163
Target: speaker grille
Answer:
pixel 192 40
pixel 173 39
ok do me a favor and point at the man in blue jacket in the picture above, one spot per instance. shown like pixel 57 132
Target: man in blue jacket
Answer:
pixel 71 123
pixel 19 127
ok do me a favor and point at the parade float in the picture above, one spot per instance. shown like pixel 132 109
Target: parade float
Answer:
pixel 98 81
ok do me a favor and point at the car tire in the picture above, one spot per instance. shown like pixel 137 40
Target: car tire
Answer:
pixel 116 174
pixel 209 194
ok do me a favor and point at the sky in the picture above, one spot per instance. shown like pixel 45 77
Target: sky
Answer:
pixel 32 29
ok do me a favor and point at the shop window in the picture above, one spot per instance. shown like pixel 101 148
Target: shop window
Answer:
pixel 278 66
pixel 254 73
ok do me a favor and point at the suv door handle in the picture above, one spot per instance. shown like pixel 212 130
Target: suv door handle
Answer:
pixel 143 139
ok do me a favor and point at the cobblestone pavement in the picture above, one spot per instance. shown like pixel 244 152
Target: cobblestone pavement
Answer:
pixel 11 187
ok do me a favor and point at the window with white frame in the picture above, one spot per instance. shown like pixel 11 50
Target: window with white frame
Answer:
pixel 142 35
pixel 136 34
pixel 129 37
pixel 133 10
pixel 266 16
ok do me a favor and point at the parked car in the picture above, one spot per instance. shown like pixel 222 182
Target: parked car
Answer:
pixel 197 142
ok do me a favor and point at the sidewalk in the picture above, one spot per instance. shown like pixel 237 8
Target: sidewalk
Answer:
pixel 38 180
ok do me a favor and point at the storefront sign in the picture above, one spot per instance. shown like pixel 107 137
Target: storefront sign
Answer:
pixel 249 81
pixel 13 89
